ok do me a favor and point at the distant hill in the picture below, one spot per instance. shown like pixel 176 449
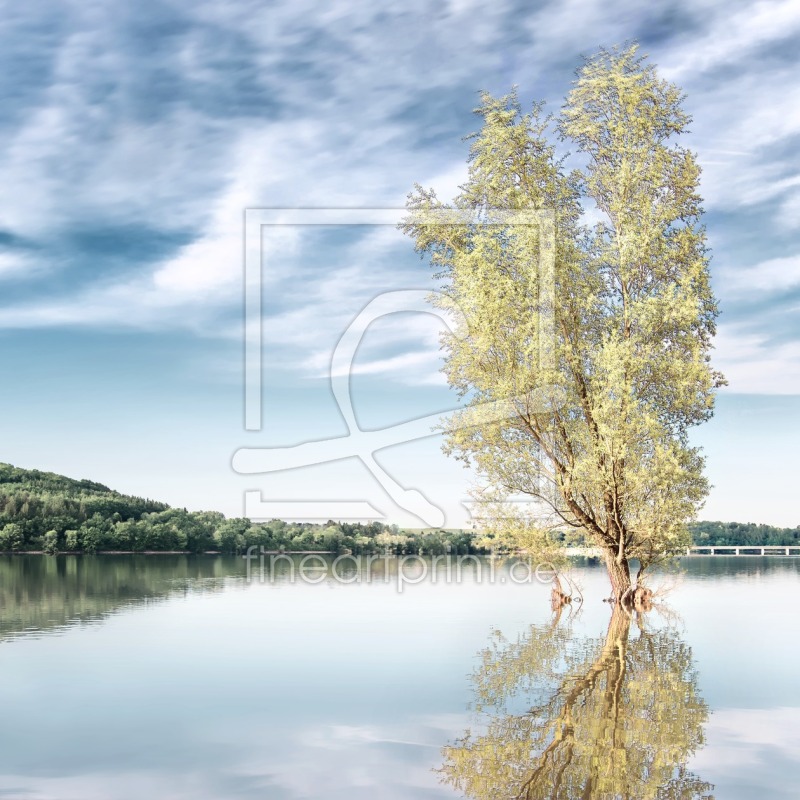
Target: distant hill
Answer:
pixel 36 481
pixel 32 503
pixel 29 497
pixel 42 511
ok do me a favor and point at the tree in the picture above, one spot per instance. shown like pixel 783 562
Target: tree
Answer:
pixel 50 543
pixel 229 537
pixel 72 541
pixel 12 537
pixel 598 431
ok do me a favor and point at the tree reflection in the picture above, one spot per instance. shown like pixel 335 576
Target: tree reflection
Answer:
pixel 39 593
pixel 611 718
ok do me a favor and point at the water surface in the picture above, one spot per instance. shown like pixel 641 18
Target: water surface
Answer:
pixel 176 677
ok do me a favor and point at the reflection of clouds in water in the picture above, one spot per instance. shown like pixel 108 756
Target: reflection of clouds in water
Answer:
pixel 386 761
pixel 331 760
pixel 744 741
pixel 251 692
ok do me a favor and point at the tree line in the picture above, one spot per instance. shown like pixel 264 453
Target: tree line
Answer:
pixel 743 534
pixel 41 511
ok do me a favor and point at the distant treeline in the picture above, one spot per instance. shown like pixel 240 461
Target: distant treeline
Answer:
pixel 41 511
pixel 742 533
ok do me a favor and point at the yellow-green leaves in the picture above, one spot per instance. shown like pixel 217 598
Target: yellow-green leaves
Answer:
pixel 634 313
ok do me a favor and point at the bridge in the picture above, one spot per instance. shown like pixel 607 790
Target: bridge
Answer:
pixel 709 550
pixel 744 550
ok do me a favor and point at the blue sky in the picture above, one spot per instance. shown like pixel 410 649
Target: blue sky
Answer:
pixel 135 135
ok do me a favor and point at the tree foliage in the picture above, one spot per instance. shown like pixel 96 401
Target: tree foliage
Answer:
pixel 600 404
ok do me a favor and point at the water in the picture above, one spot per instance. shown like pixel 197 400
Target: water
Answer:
pixel 176 677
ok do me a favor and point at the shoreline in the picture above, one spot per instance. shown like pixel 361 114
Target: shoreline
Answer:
pixel 577 552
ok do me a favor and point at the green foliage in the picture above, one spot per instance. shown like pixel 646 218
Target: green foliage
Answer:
pixel 743 533
pixel 12 537
pixel 42 503
pixel 230 536
pixel 40 511
pixel 50 543
pixel 72 541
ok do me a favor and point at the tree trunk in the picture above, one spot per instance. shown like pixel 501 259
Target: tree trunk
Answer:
pixel 619 573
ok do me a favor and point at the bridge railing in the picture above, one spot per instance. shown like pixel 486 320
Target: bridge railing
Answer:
pixel 744 550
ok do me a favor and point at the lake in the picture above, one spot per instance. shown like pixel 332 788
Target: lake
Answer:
pixel 185 677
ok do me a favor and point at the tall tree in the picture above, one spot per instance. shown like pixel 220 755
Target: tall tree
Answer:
pixel 598 431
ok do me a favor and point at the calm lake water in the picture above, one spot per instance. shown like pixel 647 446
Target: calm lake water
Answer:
pixel 177 677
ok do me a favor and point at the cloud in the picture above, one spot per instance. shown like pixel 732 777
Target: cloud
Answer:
pixel 789 213
pixel 732 36
pixel 742 739
pixel 168 121
pixel 741 130
pixel 411 367
pixel 397 764
pixel 402 346
pixel 754 363
pixel 773 275
pixel 15 265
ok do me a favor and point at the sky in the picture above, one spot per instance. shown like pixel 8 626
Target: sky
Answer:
pixel 135 135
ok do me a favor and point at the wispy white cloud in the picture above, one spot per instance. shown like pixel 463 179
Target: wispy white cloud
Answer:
pixel 16 265
pixel 737 127
pixel 732 35
pixel 244 105
pixel 742 739
pixel 768 277
pixel 403 347
pixel 398 765
pixel 789 213
pixel 754 363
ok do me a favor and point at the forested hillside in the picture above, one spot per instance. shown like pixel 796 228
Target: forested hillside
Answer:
pixel 34 505
pixel 41 511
